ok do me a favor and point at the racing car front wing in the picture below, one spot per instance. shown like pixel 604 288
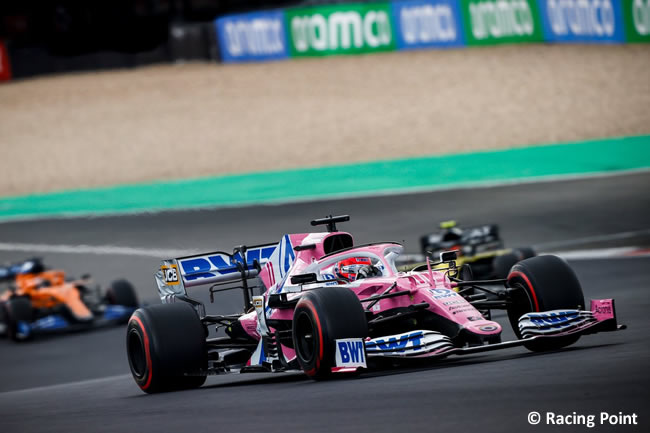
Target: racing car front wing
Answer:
pixel 533 326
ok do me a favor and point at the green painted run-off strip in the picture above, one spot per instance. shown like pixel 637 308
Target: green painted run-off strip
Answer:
pixel 413 174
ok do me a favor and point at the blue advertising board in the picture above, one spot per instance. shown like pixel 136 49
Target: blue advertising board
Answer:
pixel 427 23
pixel 598 21
pixel 252 37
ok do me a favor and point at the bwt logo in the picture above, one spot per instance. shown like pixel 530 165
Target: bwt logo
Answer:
pixel 260 36
pixel 341 30
pixel 395 344
pixel 501 18
pixel 553 318
pixel 582 17
pixel 641 16
pixel 427 23
pixel 442 293
pixel 351 351
pixel 220 264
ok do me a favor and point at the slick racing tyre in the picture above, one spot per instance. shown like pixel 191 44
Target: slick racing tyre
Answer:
pixel 3 320
pixel 503 263
pixel 121 292
pixel 321 316
pixel 543 283
pixel 465 273
pixel 524 252
pixel 166 348
pixel 19 315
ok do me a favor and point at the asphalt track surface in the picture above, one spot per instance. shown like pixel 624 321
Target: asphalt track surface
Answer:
pixel 81 382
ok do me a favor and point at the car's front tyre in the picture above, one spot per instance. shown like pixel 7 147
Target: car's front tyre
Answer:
pixel 121 292
pixel 320 317
pixel 543 283
pixel 18 316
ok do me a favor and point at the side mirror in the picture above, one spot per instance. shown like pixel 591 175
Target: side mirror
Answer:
pixel 448 256
pixel 304 278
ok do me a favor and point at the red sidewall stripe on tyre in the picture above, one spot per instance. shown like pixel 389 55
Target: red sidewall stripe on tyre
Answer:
pixel 529 284
pixel 309 305
pixel 146 350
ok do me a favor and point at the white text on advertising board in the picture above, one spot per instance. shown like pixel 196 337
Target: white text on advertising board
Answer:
pixel 641 16
pixel 341 30
pixel 501 18
pixel 260 36
pixel 427 23
pixel 582 17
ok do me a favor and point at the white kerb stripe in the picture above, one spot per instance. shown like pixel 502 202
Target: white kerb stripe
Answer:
pixel 96 249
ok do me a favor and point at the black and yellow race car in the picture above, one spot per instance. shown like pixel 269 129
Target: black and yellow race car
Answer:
pixel 479 247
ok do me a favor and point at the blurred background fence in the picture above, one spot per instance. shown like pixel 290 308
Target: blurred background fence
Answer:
pixel 54 36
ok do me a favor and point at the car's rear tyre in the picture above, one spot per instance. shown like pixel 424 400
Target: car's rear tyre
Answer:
pixel 465 273
pixel 543 283
pixel 166 348
pixel 19 315
pixel 320 317
pixel 3 320
pixel 524 252
pixel 121 292
pixel 503 263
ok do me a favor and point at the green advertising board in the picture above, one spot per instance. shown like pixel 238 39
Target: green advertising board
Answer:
pixel 636 14
pixel 340 29
pixel 489 22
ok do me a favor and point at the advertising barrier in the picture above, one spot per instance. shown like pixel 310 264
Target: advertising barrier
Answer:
pixel 5 66
pixel 359 28
pixel 489 22
pixel 427 24
pixel 582 20
pixel 253 36
pixel 340 29
pixel 636 14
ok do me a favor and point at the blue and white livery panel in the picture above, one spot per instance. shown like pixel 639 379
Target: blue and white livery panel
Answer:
pixel 175 275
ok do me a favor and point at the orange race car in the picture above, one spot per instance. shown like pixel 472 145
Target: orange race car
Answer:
pixel 39 300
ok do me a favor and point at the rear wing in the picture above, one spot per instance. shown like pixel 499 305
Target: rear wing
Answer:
pixel 481 234
pixel 175 276
pixel 470 236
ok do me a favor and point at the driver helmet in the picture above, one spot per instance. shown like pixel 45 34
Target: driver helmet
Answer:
pixel 348 268
pixel 451 232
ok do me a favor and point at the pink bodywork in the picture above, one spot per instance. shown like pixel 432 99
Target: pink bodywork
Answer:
pixel 434 287
pixel 603 309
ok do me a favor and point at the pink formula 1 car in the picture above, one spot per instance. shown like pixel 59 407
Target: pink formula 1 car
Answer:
pixel 327 306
